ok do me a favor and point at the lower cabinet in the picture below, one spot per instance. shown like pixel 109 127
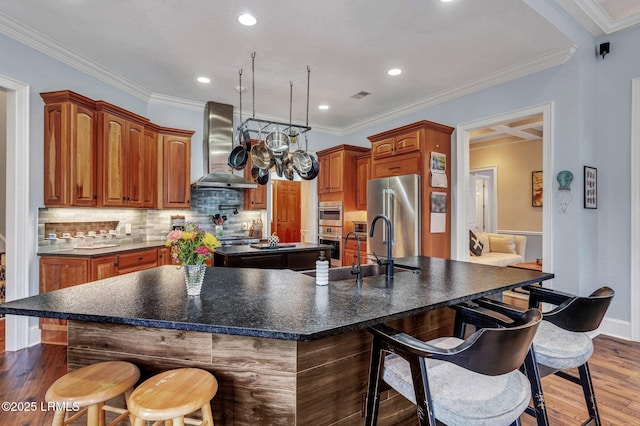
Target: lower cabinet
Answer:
pixel 58 272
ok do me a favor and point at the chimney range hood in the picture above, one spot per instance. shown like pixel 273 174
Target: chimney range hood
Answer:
pixel 218 143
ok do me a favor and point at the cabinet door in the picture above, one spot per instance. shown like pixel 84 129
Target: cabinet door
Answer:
pixel 149 170
pixel 113 160
pixel 164 256
pixel 57 273
pixel 407 142
pixel 396 166
pixel 134 158
pixel 362 176
pixel 254 198
pixel 324 175
pixel 176 171
pixel 82 151
pixel 56 164
pixel 336 170
pixel 70 155
pixel 383 148
pixel 104 267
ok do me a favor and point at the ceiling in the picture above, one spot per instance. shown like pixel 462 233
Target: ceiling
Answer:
pixel 155 49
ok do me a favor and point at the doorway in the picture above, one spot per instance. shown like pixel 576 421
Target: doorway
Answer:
pixel 286 210
pixel 483 199
pixel 19 234
pixel 463 217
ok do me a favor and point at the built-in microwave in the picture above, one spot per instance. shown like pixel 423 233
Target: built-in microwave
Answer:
pixel 330 213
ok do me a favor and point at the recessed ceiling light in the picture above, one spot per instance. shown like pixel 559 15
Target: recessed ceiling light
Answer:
pixel 204 80
pixel 247 19
pixel 323 107
pixel 394 71
pixel 446 1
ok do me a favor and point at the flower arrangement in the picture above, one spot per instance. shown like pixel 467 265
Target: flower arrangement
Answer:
pixel 192 246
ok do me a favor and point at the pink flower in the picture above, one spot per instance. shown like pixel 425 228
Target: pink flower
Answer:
pixel 202 250
pixel 174 236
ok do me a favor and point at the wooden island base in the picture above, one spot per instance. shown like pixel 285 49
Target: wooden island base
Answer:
pixel 263 381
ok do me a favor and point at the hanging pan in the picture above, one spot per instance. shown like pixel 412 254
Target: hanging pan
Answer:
pixel 238 157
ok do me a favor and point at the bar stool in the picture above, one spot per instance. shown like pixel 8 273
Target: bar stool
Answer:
pixel 173 394
pixel 88 388
pixel 561 342
pixel 453 381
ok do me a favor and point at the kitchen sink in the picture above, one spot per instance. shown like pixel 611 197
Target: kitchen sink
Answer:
pixel 344 272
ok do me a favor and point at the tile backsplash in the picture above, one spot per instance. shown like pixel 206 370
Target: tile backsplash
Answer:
pixel 146 225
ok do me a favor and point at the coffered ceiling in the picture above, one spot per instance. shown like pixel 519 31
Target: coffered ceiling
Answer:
pixel 155 49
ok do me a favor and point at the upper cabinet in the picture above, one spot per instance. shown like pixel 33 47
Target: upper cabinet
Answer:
pixel 175 155
pixel 70 176
pixel 337 177
pixel 363 174
pixel 254 198
pixel 97 154
pixel 396 145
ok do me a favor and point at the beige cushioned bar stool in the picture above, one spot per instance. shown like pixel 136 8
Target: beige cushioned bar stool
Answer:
pixel 86 390
pixel 173 394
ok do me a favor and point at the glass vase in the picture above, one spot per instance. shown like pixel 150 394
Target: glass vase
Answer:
pixel 193 277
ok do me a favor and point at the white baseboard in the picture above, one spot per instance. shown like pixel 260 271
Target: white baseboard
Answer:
pixel 34 335
pixel 614 328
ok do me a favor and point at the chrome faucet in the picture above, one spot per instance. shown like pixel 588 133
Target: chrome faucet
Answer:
pixel 355 270
pixel 389 260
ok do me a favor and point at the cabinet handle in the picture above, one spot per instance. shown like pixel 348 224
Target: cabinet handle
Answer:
pixel 115 264
pixel 139 257
pixel 394 167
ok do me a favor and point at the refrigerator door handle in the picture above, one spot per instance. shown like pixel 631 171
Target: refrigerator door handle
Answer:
pixel 387 210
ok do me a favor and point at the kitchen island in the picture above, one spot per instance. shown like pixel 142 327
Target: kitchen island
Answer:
pixel 284 350
pixel 294 256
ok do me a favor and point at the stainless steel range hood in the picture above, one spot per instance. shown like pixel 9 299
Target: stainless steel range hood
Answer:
pixel 218 143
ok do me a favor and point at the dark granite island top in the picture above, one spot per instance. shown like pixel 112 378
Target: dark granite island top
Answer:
pixel 278 304
pixel 294 256
pixel 284 351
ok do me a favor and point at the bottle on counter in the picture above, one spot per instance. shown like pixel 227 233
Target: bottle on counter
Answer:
pixel 322 270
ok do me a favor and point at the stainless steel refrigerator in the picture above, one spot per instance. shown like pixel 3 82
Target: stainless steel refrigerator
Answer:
pixel 398 198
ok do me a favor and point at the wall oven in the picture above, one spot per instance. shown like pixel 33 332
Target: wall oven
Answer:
pixel 332 236
pixel 330 213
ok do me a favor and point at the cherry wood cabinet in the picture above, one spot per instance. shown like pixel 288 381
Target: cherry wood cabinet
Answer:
pixel 104 267
pixel 254 198
pixel 350 252
pixel 69 150
pixel 398 144
pixel 123 161
pixel 175 157
pixel 58 272
pixel 407 150
pixel 99 155
pixel 363 174
pixel 337 175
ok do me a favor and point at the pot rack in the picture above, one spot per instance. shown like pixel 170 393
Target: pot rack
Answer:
pixel 262 124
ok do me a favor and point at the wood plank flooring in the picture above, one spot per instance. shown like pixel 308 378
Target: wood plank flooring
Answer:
pixel 615 367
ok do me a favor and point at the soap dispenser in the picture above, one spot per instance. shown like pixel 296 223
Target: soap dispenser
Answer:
pixel 322 270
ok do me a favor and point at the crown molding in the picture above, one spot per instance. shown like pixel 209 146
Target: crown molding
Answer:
pixel 595 19
pixel 174 101
pixel 38 41
pixel 507 74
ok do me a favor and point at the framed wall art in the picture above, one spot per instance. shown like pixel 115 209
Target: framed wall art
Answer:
pixel 536 188
pixel 590 187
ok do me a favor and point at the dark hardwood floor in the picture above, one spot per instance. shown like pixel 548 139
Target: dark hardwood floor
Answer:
pixel 615 367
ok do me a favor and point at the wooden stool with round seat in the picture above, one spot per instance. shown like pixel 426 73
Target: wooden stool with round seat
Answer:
pixel 172 395
pixel 86 390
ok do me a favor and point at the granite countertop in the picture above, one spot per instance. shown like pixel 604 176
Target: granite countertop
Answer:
pixel 244 250
pixel 278 304
pixel 97 252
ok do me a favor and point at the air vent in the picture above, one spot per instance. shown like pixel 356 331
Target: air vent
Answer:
pixel 360 95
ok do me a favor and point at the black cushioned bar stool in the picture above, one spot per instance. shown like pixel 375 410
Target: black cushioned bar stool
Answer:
pixel 453 381
pixel 561 342
pixel 85 391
